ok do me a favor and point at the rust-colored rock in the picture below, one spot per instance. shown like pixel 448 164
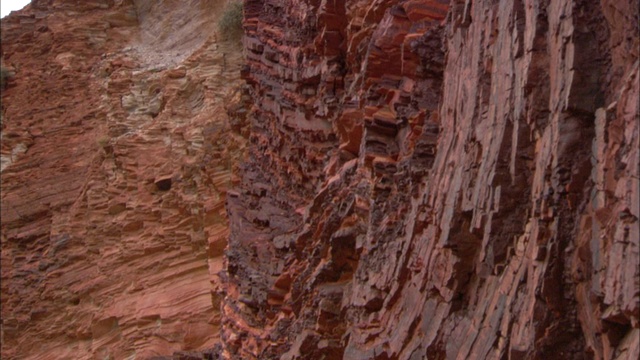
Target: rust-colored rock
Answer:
pixel 116 157
pixel 423 179
pixel 435 179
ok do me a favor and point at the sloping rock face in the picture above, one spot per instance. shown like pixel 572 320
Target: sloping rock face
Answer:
pixel 116 157
pixel 437 179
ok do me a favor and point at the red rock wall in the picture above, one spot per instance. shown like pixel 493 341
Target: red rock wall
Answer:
pixel 116 157
pixel 435 179
pixel 424 179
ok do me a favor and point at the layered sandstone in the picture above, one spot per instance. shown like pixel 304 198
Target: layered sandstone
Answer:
pixel 116 157
pixel 437 179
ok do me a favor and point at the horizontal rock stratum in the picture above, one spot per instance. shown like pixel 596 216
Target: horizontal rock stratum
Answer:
pixel 116 157
pixel 396 179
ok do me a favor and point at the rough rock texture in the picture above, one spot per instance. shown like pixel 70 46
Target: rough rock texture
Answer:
pixel 116 157
pixel 422 179
pixel 437 179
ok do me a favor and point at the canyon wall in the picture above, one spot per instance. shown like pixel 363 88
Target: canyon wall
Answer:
pixel 116 157
pixel 390 179
pixel 437 179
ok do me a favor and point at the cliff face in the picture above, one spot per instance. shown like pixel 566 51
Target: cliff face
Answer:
pixel 422 179
pixel 435 179
pixel 116 156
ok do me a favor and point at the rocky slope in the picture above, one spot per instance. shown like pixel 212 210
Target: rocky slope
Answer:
pixel 116 157
pixel 437 179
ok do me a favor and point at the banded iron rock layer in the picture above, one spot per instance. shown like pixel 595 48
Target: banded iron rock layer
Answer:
pixel 422 179
pixel 437 180
pixel 116 157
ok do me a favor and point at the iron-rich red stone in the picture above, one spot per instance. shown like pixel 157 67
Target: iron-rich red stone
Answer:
pixel 116 157
pixel 466 175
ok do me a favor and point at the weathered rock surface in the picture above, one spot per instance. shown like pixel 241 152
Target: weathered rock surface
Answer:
pixel 437 179
pixel 422 179
pixel 116 157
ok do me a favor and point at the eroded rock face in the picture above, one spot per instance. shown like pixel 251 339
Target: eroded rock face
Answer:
pixel 435 179
pixel 424 179
pixel 116 157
